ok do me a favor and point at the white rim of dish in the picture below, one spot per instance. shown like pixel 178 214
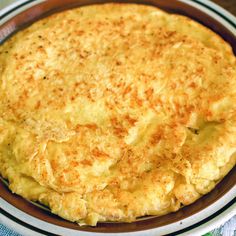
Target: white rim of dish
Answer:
pixel 205 220
pixel 207 6
pixel 197 224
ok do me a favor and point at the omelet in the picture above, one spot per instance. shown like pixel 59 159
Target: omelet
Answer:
pixel 111 112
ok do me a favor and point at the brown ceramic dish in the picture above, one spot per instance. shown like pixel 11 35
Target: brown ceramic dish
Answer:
pixel 16 19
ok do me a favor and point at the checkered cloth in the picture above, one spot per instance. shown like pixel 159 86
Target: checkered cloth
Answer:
pixel 4 231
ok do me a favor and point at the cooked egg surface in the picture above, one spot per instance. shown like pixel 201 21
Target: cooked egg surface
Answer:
pixel 115 111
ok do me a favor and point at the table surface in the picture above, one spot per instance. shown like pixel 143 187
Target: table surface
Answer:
pixel 228 228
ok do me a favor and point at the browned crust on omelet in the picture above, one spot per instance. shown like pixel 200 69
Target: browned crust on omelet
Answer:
pixel 111 112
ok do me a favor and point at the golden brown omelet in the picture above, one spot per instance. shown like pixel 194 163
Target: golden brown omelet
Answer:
pixel 111 112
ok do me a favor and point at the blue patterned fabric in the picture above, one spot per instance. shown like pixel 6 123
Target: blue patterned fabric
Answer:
pixel 4 231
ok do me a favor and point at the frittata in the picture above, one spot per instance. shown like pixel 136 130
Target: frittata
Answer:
pixel 111 112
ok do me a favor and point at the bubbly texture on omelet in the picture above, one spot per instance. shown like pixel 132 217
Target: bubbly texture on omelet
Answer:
pixel 111 112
